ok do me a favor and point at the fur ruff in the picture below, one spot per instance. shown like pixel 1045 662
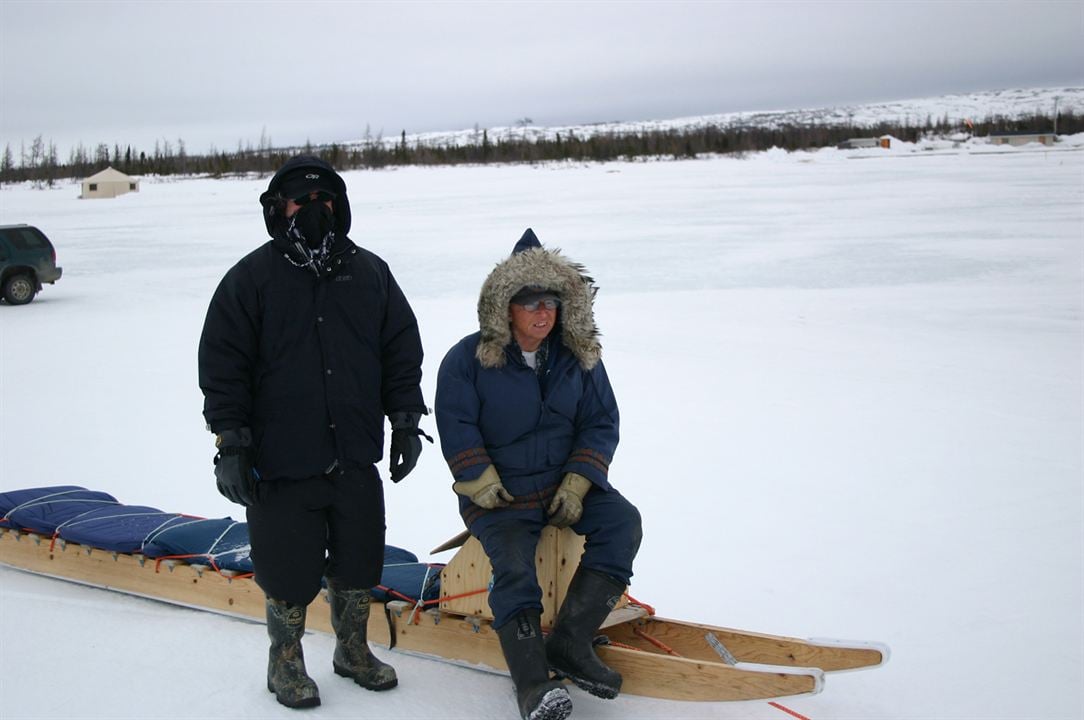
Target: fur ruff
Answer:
pixel 541 268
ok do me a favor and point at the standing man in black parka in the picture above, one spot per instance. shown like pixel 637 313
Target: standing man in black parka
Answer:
pixel 307 345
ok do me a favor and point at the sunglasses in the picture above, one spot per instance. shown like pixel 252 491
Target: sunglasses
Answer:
pixel 548 303
pixel 313 197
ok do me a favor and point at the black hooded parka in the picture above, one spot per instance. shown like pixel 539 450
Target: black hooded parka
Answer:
pixel 310 358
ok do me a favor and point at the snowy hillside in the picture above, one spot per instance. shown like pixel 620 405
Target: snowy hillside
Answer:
pixel 852 404
pixel 975 106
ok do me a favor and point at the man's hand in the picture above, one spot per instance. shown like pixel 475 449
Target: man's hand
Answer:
pixel 567 505
pixel 486 490
pixel 406 443
pixel 233 466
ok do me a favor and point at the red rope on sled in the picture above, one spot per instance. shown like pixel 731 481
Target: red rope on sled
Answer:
pixel 424 603
pixel 645 606
pixel 462 595
pixel 667 649
pixel 656 642
pixel 395 593
pixel 211 563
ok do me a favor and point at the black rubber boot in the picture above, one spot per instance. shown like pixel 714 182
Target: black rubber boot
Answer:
pixel 570 647
pixel 286 676
pixel 353 659
pixel 539 697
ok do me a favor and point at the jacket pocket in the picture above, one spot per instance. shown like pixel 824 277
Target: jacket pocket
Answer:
pixel 511 457
pixel 558 451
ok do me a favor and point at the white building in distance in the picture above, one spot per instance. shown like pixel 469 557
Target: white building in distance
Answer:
pixel 108 183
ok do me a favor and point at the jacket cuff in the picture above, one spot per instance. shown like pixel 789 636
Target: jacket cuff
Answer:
pixel 220 426
pixel 469 464
pixel 592 464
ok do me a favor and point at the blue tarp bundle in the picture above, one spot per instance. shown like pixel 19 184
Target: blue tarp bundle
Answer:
pixel 199 541
pixel 403 575
pixel 119 528
pixel 44 509
pixel 11 500
pixel 98 520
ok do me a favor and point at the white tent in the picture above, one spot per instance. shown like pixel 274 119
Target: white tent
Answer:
pixel 108 183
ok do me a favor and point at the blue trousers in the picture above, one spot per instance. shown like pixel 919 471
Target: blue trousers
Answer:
pixel 610 523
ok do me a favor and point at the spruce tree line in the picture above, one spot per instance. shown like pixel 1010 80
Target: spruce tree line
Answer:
pixel 39 163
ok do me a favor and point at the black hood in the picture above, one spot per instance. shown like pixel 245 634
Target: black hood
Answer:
pixel 273 201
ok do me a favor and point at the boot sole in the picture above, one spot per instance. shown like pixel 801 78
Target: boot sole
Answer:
pixel 375 687
pixel 298 705
pixel 606 692
pixel 554 705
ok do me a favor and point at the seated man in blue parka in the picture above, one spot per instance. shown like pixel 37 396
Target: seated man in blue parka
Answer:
pixel 528 423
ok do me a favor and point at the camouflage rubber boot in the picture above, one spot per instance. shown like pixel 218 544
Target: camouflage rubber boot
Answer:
pixel 286 676
pixel 353 659
pixel 570 647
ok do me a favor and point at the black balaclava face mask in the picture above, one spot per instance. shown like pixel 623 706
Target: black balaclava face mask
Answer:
pixel 313 221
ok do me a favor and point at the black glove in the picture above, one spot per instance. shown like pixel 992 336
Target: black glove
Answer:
pixel 406 443
pixel 233 466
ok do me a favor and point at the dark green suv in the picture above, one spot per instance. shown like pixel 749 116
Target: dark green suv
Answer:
pixel 27 259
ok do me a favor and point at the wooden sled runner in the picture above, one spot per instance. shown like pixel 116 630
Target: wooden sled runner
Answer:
pixel 657 657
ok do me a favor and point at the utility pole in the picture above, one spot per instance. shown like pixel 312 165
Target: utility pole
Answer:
pixel 1056 98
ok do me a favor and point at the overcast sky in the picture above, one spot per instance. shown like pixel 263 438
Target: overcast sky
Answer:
pixel 216 73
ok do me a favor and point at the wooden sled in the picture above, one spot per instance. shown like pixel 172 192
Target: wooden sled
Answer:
pixel 657 657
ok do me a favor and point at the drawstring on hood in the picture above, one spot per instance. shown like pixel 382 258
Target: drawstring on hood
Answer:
pixel 535 267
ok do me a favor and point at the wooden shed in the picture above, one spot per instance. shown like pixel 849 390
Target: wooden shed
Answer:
pixel 866 142
pixel 1022 138
pixel 108 183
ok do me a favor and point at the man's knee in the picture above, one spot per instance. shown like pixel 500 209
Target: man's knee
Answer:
pixel 617 522
pixel 634 529
pixel 613 540
pixel 628 519
pixel 510 547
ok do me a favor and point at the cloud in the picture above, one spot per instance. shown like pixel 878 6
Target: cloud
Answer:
pixel 120 72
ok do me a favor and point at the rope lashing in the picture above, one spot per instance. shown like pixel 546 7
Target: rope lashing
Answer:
pixel 209 554
pixel 633 601
pixel 656 642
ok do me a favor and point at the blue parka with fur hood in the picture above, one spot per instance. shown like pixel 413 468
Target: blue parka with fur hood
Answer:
pixel 491 408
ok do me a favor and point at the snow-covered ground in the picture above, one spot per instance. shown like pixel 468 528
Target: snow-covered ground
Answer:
pixel 851 394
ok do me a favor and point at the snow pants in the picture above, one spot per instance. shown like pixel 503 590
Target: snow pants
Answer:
pixel 302 530
pixel 610 523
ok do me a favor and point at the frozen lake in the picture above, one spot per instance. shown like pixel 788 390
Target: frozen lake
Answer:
pixel 852 396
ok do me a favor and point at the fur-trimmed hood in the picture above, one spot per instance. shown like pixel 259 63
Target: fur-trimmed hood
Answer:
pixel 531 265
